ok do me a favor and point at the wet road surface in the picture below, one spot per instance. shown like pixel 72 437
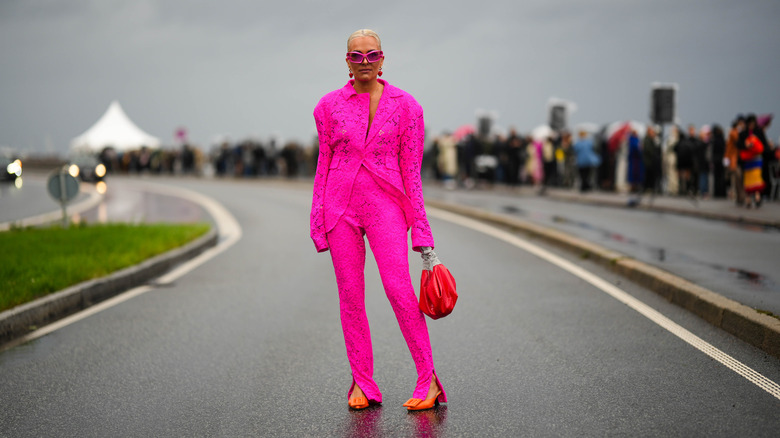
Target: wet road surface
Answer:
pixel 124 201
pixel 737 261
pixel 31 199
pixel 250 344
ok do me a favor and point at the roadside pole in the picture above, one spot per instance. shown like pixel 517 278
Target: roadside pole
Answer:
pixel 663 109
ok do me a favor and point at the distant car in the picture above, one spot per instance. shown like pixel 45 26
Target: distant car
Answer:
pixel 87 168
pixel 10 167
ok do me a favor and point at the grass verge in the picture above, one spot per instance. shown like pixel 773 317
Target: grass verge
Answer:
pixel 38 261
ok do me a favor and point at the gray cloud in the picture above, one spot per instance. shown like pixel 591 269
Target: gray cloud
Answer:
pixel 243 68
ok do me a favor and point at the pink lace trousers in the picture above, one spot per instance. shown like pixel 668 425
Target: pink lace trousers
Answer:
pixel 373 213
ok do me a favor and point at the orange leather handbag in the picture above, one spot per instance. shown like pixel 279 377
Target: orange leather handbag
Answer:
pixel 437 287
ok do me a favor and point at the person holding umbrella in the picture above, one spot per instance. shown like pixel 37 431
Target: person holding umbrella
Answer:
pixel 367 183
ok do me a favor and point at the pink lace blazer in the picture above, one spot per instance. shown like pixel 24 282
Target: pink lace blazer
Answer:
pixel 392 150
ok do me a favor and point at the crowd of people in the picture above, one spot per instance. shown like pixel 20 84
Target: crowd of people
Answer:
pixel 628 157
pixel 244 159
pixel 251 158
pixel 184 160
pixel 707 161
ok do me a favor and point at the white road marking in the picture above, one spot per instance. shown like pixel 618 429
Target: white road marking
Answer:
pixel 229 233
pixel 738 367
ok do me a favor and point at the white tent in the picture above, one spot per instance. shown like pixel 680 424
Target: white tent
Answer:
pixel 116 130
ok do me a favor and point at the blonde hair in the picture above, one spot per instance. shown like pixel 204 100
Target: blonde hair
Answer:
pixel 364 33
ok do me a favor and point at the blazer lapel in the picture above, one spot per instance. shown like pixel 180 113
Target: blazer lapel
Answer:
pixel 388 105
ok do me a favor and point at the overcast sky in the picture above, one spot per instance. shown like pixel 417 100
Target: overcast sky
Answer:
pixel 257 68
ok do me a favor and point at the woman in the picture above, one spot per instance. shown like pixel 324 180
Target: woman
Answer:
pixel 751 145
pixel 371 138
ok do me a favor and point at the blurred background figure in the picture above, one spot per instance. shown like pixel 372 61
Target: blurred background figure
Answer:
pixel 447 159
pixel 516 156
pixel 486 160
pixel 718 150
pixel 769 156
pixel 534 168
pixel 187 159
pixel 684 150
pixel 569 160
pixel 549 162
pixel 291 157
pixel 672 180
pixel 751 145
pixel 467 152
pixel 636 167
pixel 586 160
pixel 737 192
pixel 701 161
pixel 651 157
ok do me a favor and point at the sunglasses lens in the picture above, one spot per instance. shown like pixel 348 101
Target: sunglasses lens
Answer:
pixel 356 58
pixel 373 56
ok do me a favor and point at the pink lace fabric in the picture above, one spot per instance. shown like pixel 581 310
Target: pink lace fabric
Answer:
pixel 392 150
pixel 377 216
pixel 368 184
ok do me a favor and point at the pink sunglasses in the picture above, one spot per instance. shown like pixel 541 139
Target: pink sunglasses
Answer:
pixel 357 57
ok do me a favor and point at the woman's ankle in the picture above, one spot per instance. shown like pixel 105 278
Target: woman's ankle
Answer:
pixel 357 392
pixel 433 389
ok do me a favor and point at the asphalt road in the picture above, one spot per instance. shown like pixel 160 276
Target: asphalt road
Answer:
pixel 249 344
pixel 125 202
pixel 737 261
pixel 31 199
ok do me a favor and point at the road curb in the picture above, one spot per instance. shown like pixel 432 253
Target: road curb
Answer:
pixel 20 320
pixel 747 324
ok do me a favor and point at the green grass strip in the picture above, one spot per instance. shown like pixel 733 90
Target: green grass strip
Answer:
pixel 38 261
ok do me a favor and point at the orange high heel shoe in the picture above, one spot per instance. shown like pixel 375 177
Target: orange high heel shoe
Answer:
pixel 358 403
pixel 415 404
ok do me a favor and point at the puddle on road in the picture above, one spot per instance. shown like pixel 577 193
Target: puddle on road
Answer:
pixel 660 254
pixel 753 277
pixel 754 228
pixel 511 209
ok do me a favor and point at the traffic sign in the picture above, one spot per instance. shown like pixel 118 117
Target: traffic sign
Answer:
pixel 63 188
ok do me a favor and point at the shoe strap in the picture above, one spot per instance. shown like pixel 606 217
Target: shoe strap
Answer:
pixel 413 402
